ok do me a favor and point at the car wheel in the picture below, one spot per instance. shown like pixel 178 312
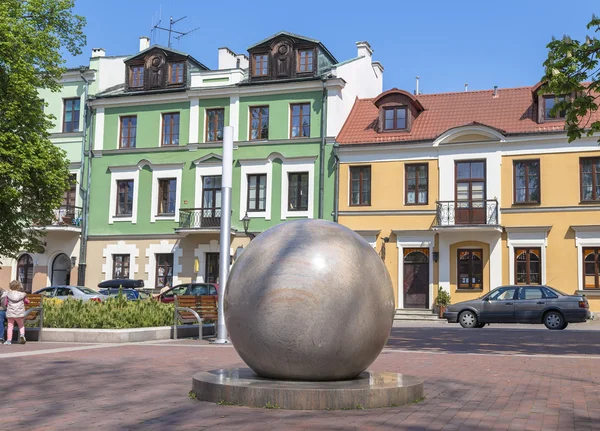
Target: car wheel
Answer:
pixel 467 319
pixel 480 325
pixel 554 320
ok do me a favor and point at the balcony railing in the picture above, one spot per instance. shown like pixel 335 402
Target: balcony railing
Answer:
pixel 463 213
pixel 68 216
pixel 199 218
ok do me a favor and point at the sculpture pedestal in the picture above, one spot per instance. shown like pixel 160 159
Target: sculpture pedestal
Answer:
pixel 241 386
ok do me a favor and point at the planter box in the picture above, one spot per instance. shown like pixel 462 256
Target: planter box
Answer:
pixel 131 335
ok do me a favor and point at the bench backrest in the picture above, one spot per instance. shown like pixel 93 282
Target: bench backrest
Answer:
pixel 35 301
pixel 205 306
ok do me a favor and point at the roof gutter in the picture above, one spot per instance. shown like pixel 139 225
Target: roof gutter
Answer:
pixel 86 195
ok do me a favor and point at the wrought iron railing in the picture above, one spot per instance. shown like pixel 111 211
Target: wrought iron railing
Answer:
pixel 475 212
pixel 67 215
pixel 199 218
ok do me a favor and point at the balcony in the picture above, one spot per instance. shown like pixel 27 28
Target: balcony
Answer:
pixel 67 218
pixel 467 213
pixel 199 218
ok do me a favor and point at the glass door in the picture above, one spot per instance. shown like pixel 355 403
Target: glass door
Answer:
pixel 470 192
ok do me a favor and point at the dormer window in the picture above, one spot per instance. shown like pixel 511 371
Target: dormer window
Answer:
pixel 549 103
pixel 136 76
pixel 260 65
pixel 175 73
pixel 394 118
pixel 305 61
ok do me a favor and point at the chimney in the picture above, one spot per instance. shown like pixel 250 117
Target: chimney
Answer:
pixel 495 91
pixel 144 43
pixel 364 49
pixel 466 87
pixel 417 90
pixel 98 52
pixel 242 61
pixel 227 59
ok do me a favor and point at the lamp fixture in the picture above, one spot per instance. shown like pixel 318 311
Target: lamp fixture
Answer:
pixel 436 256
pixel 246 222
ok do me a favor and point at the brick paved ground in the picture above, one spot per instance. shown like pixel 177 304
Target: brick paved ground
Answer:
pixel 522 379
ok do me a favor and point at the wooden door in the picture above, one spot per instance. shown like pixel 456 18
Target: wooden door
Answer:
pixel 470 192
pixel 416 278
pixel 212 267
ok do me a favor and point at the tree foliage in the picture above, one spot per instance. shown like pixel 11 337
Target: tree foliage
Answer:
pixel 33 172
pixel 572 69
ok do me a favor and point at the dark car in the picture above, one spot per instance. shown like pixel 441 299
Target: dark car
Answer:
pixel 125 283
pixel 521 304
pixel 131 294
pixel 196 289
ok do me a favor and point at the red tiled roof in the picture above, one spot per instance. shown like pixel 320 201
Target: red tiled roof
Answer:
pixel 510 112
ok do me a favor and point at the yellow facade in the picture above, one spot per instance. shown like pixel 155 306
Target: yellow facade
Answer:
pixel 560 226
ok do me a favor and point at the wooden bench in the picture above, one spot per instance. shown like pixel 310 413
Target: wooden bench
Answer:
pixel 34 311
pixel 192 309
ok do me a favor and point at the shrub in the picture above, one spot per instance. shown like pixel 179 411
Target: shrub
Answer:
pixel 443 297
pixel 114 313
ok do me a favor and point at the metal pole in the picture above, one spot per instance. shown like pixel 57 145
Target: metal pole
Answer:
pixel 225 239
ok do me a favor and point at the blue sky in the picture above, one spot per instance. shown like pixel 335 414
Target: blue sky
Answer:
pixel 447 43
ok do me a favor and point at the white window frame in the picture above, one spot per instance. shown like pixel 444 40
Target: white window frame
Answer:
pixel 159 173
pixel 164 247
pixel 585 236
pixel 120 247
pixel 526 238
pixel 255 167
pixel 297 166
pixel 204 170
pixel 123 173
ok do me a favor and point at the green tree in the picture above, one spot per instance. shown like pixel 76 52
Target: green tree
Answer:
pixel 33 172
pixel 572 69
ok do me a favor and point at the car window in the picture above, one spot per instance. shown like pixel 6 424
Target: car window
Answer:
pixel 199 289
pixel 212 290
pixel 178 290
pixel 87 291
pixel 63 291
pixel 531 293
pixel 503 294
pixel 549 293
pixel 48 292
pixel 554 291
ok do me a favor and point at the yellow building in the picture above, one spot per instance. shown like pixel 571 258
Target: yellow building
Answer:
pixel 470 191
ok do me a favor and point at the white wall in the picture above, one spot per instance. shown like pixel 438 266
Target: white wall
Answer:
pixel 111 72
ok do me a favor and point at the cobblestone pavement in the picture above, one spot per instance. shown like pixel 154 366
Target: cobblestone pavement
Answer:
pixel 490 378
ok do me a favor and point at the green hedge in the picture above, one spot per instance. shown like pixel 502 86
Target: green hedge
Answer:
pixel 114 313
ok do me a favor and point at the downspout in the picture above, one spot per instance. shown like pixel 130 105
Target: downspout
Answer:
pixel 336 189
pixel 83 237
pixel 322 149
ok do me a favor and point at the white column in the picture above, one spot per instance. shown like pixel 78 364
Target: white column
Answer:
pixel 99 129
pixel 194 120
pixel 234 114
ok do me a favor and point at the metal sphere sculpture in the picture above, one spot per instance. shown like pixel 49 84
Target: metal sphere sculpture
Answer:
pixel 309 300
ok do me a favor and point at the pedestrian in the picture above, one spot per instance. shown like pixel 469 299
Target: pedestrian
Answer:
pixel 15 310
pixel 3 300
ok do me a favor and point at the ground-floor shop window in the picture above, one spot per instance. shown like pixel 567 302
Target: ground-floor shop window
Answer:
pixel 120 266
pixel 164 270
pixel 470 269
pixel 528 264
pixel 591 268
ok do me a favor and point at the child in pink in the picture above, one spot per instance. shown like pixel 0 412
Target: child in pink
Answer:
pixel 15 310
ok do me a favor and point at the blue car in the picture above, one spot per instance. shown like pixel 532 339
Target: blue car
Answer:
pixel 131 294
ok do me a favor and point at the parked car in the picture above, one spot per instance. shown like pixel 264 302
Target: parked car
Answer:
pixel 196 289
pixel 131 294
pixel 126 283
pixel 521 304
pixel 77 292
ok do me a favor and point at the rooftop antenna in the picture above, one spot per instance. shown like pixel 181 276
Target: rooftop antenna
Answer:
pixel 170 30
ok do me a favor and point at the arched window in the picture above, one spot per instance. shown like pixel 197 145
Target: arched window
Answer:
pixel 416 256
pixel 528 266
pixel 25 271
pixel 61 271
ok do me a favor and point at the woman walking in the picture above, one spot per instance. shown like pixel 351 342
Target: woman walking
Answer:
pixel 15 310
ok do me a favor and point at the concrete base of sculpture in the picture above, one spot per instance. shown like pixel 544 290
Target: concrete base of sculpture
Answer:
pixel 241 386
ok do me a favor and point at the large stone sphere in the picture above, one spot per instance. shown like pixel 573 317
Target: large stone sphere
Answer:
pixel 309 300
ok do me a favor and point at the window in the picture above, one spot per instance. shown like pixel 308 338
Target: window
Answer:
pixel 528 265
pixel 549 103
pixel 124 197
pixel 259 122
pixel 25 272
pixel 167 188
pixel 526 181
pixel 590 179
pixel 260 65
pixel 214 124
pixel 394 118
pixel 257 192
pixel 504 294
pixel 175 73
pixel 305 60
pixel 300 124
pixel 212 268
pixel 470 269
pixel 531 293
pixel 136 76
pixel 416 184
pixel 179 290
pixel 298 191
pixel 70 195
pixel 591 268
pixel 170 129
pixel 128 132
pixel 211 196
pixel 120 266
pixel 164 270
pixel 360 185
pixel 71 115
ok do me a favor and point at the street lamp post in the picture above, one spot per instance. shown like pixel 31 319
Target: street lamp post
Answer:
pixel 225 239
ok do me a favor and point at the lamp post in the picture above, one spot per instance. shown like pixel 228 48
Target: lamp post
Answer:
pixel 246 222
pixel 225 240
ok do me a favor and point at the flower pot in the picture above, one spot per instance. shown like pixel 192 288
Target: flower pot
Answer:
pixel 442 309
pixel 67 220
